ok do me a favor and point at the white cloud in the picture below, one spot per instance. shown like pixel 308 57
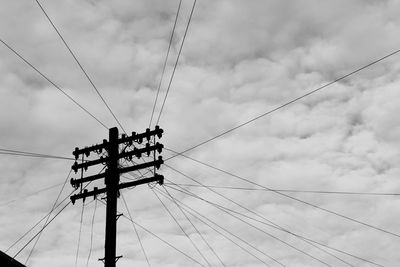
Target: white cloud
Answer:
pixel 240 60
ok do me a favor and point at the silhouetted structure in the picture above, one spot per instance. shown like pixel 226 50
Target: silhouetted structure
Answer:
pixel 7 261
pixel 112 173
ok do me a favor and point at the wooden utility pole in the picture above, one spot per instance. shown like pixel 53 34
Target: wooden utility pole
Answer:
pixel 112 174
pixel 112 181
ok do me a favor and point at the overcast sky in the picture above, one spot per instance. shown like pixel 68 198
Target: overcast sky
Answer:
pixel 240 59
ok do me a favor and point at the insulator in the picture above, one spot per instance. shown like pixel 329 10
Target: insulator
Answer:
pixel 159 131
pixel 161 177
pixel 95 194
pixel 148 137
pixel 158 164
pixel 75 153
pixel 159 147
pixel 74 167
pixel 73 183
pixel 148 150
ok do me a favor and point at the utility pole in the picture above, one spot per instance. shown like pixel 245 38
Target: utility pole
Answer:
pixel 112 173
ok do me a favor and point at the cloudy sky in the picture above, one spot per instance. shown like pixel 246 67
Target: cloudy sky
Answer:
pixel 240 59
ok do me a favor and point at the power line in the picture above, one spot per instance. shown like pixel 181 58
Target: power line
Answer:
pixel 52 83
pixel 159 238
pixel 198 232
pixel 91 233
pixel 294 198
pixel 177 60
pixel 165 62
pixel 79 236
pixel 183 231
pixel 48 217
pixel 79 64
pixel 294 190
pixel 252 226
pixel 287 103
pixel 222 228
pixel 31 194
pixel 30 154
pixel 41 230
pixel 270 223
pixel 289 232
pixel 137 234
pixel 33 227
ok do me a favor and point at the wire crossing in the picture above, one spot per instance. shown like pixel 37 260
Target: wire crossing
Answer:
pixel 183 230
pixel 296 199
pixel 192 212
pixel 48 217
pixel 165 63
pixel 285 104
pixel 79 64
pixel 198 232
pixel 270 223
pixel 292 190
pixel 52 83
pixel 136 232
pixel 176 62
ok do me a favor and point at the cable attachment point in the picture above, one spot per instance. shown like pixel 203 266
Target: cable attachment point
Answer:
pixel 117 258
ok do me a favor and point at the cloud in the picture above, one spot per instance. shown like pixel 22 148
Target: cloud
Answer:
pixel 240 59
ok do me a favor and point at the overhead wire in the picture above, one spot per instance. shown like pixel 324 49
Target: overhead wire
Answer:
pixel 48 217
pixel 186 207
pixel 253 226
pixel 177 60
pixel 165 62
pixel 136 232
pixel 183 230
pixel 30 194
pixel 286 104
pixel 33 227
pixel 41 230
pixel 270 223
pixel 91 233
pixel 52 83
pixel 280 228
pixel 295 190
pixel 296 199
pixel 31 154
pixel 159 238
pixel 79 64
pixel 198 232
pixel 80 232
